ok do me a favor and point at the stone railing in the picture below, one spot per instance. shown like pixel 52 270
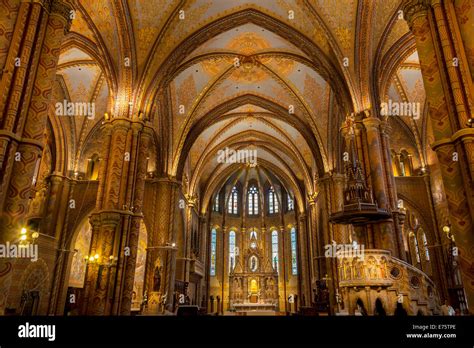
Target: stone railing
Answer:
pixel 379 276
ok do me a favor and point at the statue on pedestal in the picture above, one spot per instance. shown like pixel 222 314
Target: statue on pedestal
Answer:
pixel 157 279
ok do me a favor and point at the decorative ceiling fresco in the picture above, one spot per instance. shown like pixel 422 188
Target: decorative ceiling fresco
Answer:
pixel 409 133
pixel 81 80
pixel 266 74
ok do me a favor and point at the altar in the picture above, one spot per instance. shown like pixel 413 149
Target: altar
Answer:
pixel 251 307
pixel 253 285
pixel 253 279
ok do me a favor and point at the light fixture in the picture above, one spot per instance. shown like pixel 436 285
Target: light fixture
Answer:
pixel 23 237
pixel 23 231
pixel 96 256
pixel 173 245
pixel 470 122
pixel 446 229
pixel 35 235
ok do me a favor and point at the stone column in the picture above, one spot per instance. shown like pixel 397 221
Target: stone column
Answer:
pixel 328 264
pixel 190 206
pixel 282 274
pixel 317 248
pixel 162 248
pixel 243 241
pixel 203 257
pixel 116 221
pixel 224 267
pixel 26 85
pixel 304 260
pixel 461 16
pixel 450 132
pixel 460 86
pixel 392 190
pixel 100 275
pixel 339 231
pixel 53 207
pixel 384 235
pixel 377 174
pixel 26 94
pixel 56 220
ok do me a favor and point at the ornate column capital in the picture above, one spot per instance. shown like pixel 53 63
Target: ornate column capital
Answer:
pixel 312 198
pixel 371 122
pixel 191 200
pixel 56 177
pixel 64 10
pixel 121 123
pixel 137 127
pixel 105 218
pixel 338 178
pixel 415 8
pixel 46 4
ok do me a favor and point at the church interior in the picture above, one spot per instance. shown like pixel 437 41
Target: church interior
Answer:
pixel 244 157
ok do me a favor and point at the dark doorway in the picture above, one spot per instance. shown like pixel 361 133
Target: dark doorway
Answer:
pixel 30 301
pixel 361 307
pixel 379 309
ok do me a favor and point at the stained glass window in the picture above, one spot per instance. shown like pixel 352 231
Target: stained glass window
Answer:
pixel 272 201
pixel 213 251
pixel 294 263
pixel 291 204
pixel 425 245
pixel 275 250
pixel 231 250
pixel 232 207
pixel 416 249
pixel 216 203
pixel 253 200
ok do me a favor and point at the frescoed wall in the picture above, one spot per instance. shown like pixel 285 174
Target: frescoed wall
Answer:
pixel 137 295
pixel 81 247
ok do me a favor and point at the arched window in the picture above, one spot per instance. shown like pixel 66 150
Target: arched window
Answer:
pixel 231 251
pixel 272 201
pixel 294 263
pixel 93 167
pixel 233 201
pixel 415 248
pixel 216 203
pixel 36 172
pixel 213 251
pixel 425 245
pixel 253 200
pixel 402 166
pixel 291 203
pixel 275 250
